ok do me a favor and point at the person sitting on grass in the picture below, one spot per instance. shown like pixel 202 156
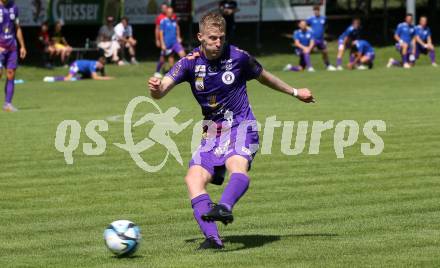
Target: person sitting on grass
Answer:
pixel 304 44
pixel 424 41
pixel 81 69
pixel 361 56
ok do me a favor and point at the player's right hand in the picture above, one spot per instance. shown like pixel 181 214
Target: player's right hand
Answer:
pixel 154 85
pixel 305 95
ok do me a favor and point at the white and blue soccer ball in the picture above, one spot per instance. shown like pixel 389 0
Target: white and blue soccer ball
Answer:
pixel 122 237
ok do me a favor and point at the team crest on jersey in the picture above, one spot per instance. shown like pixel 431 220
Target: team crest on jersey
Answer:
pixel 228 77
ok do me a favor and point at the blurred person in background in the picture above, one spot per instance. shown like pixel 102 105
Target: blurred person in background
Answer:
pixel 107 41
pixel 405 43
pixel 351 33
pixel 62 48
pixel 317 24
pixel 304 44
pixel 424 41
pixel 162 15
pixel 83 69
pixel 10 33
pixel 361 55
pixel 45 45
pixel 228 8
pixel 170 41
pixel 124 34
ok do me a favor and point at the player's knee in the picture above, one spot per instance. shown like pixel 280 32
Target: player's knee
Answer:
pixel 10 74
pixel 237 164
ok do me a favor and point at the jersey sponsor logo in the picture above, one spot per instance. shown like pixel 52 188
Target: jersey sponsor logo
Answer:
pixel 246 150
pixel 228 77
pixel 212 70
pixel 199 84
pixel 212 101
pixel 200 70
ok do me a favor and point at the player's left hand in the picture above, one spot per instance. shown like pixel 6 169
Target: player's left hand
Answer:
pixel 305 95
pixel 23 53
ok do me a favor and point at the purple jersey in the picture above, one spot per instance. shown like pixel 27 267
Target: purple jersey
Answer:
pixel 219 85
pixel 8 19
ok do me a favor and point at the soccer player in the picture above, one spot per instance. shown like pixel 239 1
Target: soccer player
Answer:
pixel 81 69
pixel 10 33
pixel 362 55
pixel 424 41
pixel 317 23
pixel 304 43
pixel 163 9
pixel 170 41
pixel 217 74
pixel 405 38
pixel 350 34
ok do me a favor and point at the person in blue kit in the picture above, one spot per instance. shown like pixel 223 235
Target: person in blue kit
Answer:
pixel 362 55
pixel 81 69
pixel 304 42
pixel 170 41
pixel 317 24
pixel 424 43
pixel 405 43
pixel 345 39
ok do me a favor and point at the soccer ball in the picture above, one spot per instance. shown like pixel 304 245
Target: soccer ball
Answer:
pixel 122 237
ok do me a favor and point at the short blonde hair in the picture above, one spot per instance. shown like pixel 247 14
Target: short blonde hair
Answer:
pixel 212 19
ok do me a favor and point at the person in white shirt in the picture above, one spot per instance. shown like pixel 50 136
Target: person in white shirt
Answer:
pixel 124 34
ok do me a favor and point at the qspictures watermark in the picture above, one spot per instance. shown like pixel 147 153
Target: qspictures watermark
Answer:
pixel 216 136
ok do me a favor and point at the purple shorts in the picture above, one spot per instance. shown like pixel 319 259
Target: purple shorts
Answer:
pixel 302 61
pixel 420 50
pixel 399 47
pixel 176 48
pixel 321 44
pixel 214 151
pixel 73 70
pixel 371 56
pixel 9 59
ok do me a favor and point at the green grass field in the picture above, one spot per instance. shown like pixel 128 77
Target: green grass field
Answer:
pixel 305 210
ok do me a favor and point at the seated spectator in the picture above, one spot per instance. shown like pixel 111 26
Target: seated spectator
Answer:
pixel 62 48
pixel 124 34
pixel 45 45
pixel 107 41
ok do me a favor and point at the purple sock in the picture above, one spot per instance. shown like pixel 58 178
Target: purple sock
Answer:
pixel 351 58
pixel 307 60
pixel 405 58
pixel 295 69
pixel 201 205
pixel 338 61
pixel 432 56
pixel 396 63
pixel 59 78
pixel 159 66
pixel 9 90
pixel 237 186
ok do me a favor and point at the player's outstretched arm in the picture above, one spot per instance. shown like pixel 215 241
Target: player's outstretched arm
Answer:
pixel 159 88
pixel 95 76
pixel 270 80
